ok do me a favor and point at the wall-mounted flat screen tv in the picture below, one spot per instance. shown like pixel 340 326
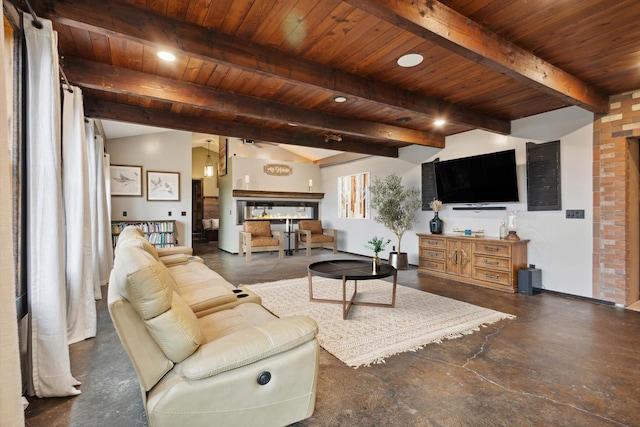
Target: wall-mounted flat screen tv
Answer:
pixel 487 178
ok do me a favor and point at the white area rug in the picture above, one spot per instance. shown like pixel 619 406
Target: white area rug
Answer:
pixel 370 334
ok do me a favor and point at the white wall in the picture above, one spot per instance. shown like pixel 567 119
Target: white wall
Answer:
pixel 561 247
pixel 240 165
pixel 166 152
pixel 354 233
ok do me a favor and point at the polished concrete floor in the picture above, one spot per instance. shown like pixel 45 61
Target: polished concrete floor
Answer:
pixel 562 362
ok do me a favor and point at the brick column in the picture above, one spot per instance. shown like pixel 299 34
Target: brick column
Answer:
pixel 611 255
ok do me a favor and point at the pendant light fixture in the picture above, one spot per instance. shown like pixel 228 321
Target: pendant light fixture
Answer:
pixel 208 164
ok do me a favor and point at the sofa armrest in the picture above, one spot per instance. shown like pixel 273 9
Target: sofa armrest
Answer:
pixel 247 346
pixel 175 250
pixel 174 259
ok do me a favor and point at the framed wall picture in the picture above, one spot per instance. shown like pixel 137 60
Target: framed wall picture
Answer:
pixel 163 185
pixel 353 197
pixel 222 159
pixel 126 180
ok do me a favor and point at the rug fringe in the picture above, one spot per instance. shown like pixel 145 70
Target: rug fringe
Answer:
pixel 381 359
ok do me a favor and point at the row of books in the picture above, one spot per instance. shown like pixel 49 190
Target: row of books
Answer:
pixel 146 227
pixel 159 240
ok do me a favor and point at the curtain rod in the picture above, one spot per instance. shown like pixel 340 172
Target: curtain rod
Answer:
pixel 36 23
pixel 64 77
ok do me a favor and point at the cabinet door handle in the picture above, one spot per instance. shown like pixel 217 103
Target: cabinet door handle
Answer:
pixel 490 249
pixel 490 276
pixel 454 257
pixel 490 263
pixel 463 257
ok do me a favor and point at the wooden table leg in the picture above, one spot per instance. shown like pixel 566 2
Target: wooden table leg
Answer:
pixel 346 305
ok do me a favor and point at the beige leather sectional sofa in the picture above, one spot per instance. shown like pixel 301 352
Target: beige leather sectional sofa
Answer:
pixel 205 352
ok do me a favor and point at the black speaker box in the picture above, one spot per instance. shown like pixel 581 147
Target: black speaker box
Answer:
pixel 529 281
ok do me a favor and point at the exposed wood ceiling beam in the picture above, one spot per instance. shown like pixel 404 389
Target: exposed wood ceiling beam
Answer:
pixel 117 80
pixel 440 24
pixel 123 20
pixel 99 109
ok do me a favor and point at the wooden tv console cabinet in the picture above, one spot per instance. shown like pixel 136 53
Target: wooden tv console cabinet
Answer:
pixel 492 263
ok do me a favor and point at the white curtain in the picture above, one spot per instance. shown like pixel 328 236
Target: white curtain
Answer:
pixel 81 276
pixel 103 196
pixel 100 214
pixel 50 369
pixel 10 391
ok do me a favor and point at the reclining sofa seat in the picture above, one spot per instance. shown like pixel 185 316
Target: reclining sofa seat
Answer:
pixel 204 290
pixel 234 367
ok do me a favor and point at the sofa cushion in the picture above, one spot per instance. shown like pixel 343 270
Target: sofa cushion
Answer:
pixel 313 225
pixel 258 228
pixel 138 242
pixel 149 287
pixel 243 335
pixel 130 231
pixel 177 330
pixel 147 284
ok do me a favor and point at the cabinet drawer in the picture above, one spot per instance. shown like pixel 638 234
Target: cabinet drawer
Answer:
pixel 492 248
pixel 431 242
pixel 432 265
pixel 432 254
pixel 500 277
pixel 496 263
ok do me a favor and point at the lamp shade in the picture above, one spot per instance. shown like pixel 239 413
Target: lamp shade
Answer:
pixel 208 169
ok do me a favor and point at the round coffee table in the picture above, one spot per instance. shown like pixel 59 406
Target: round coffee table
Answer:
pixel 351 270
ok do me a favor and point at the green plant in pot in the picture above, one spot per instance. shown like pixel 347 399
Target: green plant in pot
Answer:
pixel 396 209
pixel 377 245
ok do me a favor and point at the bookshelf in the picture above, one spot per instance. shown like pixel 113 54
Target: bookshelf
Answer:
pixel 161 234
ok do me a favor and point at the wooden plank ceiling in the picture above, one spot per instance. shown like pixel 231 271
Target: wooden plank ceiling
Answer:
pixel 269 70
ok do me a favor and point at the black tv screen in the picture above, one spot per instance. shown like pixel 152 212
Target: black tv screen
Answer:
pixel 487 178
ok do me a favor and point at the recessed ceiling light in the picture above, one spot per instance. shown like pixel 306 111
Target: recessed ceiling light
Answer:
pixel 439 122
pixel 167 56
pixel 410 60
pixel 340 99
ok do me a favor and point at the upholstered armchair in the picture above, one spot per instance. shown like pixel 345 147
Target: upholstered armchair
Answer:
pixel 310 234
pixel 236 367
pixel 258 237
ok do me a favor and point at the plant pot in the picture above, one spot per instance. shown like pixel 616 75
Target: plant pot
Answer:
pixel 399 261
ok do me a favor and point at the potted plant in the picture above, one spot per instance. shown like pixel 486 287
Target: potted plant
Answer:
pixel 397 207
pixel 377 245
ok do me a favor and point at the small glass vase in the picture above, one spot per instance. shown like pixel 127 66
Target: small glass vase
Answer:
pixel 435 225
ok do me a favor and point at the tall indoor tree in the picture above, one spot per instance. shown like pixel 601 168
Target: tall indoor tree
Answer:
pixel 396 208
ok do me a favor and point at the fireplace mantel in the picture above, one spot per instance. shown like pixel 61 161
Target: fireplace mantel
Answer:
pixel 277 194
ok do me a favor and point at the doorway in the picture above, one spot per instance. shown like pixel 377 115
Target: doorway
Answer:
pixel 197 205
